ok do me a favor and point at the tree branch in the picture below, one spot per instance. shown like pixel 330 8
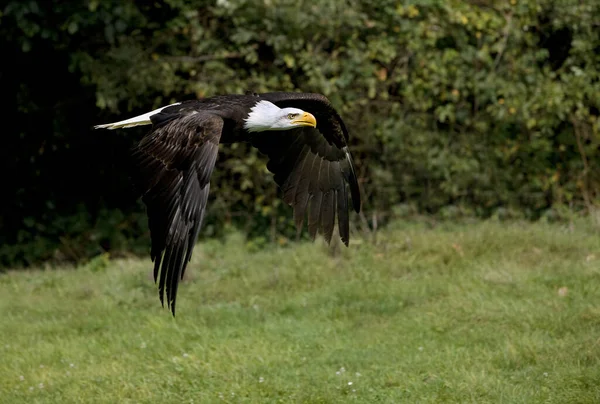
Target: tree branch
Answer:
pixel 586 167
pixel 506 34
pixel 202 58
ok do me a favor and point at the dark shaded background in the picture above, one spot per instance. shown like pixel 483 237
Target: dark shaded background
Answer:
pixel 455 109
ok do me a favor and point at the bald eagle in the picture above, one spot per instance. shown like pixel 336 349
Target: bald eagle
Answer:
pixel 302 135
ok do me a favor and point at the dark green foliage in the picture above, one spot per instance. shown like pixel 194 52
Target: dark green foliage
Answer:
pixel 456 107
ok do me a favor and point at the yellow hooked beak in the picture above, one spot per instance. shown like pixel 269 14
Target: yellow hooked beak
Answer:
pixel 305 119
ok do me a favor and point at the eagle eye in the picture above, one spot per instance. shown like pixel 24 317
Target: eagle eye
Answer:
pixel 292 116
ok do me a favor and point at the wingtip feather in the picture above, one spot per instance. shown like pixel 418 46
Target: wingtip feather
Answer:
pixel 353 182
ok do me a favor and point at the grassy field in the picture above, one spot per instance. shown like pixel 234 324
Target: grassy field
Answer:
pixel 480 312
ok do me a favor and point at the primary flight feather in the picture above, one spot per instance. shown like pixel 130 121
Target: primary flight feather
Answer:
pixel 303 136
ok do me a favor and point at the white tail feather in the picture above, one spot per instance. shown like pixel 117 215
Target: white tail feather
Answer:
pixel 135 121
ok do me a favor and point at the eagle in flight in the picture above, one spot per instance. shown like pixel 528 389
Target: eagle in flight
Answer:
pixel 302 135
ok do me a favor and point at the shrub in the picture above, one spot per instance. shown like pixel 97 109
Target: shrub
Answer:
pixel 453 106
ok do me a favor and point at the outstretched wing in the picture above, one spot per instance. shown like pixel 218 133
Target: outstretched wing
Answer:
pixel 313 166
pixel 173 165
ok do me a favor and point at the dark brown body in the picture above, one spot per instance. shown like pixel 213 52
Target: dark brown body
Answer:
pixel 175 160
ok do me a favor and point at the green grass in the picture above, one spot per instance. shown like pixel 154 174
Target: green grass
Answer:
pixel 456 313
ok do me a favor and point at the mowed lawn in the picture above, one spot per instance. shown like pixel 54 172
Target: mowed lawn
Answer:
pixel 481 312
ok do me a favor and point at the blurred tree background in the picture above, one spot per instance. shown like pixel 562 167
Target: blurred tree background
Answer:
pixel 455 108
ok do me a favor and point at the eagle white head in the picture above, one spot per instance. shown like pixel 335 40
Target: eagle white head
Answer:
pixel 267 116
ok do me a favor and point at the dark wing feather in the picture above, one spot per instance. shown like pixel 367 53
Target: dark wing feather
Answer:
pixel 173 165
pixel 312 166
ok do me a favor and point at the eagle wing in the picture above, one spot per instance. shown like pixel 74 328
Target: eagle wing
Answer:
pixel 173 165
pixel 312 166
